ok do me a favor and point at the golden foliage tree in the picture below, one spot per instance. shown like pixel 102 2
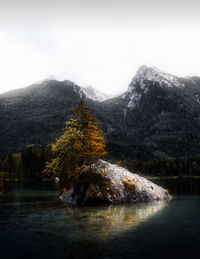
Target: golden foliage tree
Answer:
pixel 79 146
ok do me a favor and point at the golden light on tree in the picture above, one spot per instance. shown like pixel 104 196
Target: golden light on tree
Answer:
pixel 80 145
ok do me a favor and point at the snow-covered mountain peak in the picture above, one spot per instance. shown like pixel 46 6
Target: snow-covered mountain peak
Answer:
pixel 147 74
pixel 146 71
pixel 146 78
pixel 45 80
pixel 95 94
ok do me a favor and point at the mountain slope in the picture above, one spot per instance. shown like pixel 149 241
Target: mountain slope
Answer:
pixel 36 114
pixel 159 115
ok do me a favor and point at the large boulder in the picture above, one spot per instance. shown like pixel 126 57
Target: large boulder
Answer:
pixel 105 183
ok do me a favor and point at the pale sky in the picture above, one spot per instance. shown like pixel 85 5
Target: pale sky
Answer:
pixel 100 43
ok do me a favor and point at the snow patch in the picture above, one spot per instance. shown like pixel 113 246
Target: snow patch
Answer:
pixel 197 98
pixel 145 74
pixel 139 84
pixel 134 99
pixel 46 80
pixel 95 94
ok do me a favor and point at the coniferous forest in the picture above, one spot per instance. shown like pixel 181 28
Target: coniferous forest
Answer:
pixel 80 145
pixel 29 164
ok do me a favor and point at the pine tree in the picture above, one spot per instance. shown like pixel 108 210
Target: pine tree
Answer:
pixel 79 146
pixel 92 143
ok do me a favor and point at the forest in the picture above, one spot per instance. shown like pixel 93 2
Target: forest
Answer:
pixel 79 146
pixel 29 164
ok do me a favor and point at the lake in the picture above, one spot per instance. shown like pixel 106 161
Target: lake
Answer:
pixel 34 223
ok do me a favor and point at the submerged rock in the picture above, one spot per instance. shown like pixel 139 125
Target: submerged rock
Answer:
pixel 103 183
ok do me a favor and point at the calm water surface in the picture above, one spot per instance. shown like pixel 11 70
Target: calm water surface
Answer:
pixel 35 224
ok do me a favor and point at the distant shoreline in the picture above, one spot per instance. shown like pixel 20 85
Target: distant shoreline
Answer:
pixel 145 176
pixel 174 177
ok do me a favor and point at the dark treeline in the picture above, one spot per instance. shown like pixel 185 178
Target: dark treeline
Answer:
pixel 28 165
pixel 173 167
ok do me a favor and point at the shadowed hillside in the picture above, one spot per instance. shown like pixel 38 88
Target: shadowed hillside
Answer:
pixel 158 116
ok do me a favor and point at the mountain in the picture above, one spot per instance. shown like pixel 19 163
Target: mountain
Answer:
pixel 36 114
pixel 95 94
pixel 158 115
pixel 161 113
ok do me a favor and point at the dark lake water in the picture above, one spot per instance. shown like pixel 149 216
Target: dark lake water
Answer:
pixel 35 224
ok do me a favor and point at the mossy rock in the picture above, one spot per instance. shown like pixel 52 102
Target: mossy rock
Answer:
pixel 105 183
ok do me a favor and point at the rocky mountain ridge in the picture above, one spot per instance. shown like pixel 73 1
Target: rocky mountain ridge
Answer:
pixel 158 115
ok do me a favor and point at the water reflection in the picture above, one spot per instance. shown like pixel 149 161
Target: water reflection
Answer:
pixel 22 193
pixel 34 223
pixel 180 186
pixel 113 220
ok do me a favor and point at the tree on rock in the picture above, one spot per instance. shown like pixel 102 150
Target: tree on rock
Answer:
pixel 80 145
